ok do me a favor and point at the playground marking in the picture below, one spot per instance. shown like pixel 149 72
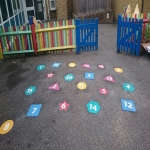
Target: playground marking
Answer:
pixel 34 110
pixel 109 78
pixel 50 75
pixel 118 70
pixel 128 105
pixel 40 67
pixel 54 87
pixel 81 85
pixel 72 65
pixel 93 107
pixel 86 65
pixel 6 126
pixel 64 106
pixel 101 66
pixel 56 65
pixel 89 75
pixel 30 90
pixel 69 77
pixel 103 91
pixel 128 87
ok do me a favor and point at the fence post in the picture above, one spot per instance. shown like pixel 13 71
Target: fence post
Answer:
pixel 118 33
pixel 77 36
pixel 34 38
pixel 96 48
pixel 1 53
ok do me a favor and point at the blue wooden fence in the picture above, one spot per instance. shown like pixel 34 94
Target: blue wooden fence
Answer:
pixel 129 35
pixel 86 35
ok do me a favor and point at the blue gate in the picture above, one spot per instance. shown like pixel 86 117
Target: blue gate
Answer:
pixel 129 35
pixel 86 35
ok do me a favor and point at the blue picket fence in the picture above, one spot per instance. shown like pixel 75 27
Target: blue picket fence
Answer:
pixel 129 35
pixel 86 35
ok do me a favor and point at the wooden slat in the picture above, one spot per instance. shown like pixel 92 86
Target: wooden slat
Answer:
pixel 57 48
pixel 18 52
pixel 55 29
pixel 28 39
pixel 15 33
pixel 49 35
pixel 19 37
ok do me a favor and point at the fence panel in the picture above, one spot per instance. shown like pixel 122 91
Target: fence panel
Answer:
pixel 129 35
pixel 15 40
pixel 86 35
pixel 56 37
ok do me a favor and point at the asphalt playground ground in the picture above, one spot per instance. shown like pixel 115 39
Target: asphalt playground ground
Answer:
pixel 76 129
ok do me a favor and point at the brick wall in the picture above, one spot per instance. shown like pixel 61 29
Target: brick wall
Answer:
pixel 69 8
pixel 146 8
pixel 119 5
pixel 61 9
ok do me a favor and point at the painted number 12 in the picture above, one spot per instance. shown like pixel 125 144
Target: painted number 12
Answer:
pixel 127 104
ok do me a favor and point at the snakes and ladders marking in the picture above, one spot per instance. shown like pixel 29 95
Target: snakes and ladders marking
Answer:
pixel 93 107
pixel 86 65
pixel 69 77
pixel 40 67
pixel 64 106
pixel 30 90
pixel 54 87
pixel 34 110
pixel 81 85
pixel 128 105
pixel 89 75
pixel 72 65
pixel 109 78
pixel 101 66
pixel 6 126
pixel 103 91
pixel 56 65
pixel 128 87
pixel 118 70
pixel 50 75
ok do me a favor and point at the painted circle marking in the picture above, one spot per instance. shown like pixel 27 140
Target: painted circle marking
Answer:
pixel 81 85
pixel 6 127
pixel 72 65
pixel 118 70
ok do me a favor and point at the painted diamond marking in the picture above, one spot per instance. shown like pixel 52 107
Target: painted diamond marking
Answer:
pixel 93 107
pixel 56 65
pixel 54 87
pixel 64 106
pixel 128 87
pixel 69 77
pixel 89 75
pixel 101 66
pixel 40 67
pixel 34 110
pixel 128 105
pixel 30 90
pixel 50 75
pixel 103 91
pixel 109 78
pixel 86 65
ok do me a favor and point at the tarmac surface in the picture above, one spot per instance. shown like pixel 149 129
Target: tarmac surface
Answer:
pixel 77 129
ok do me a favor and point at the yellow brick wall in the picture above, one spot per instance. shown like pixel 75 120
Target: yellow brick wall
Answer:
pixel 119 5
pixel 61 9
pixel 146 8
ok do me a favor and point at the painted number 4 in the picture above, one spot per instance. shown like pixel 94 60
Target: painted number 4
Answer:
pixel 93 107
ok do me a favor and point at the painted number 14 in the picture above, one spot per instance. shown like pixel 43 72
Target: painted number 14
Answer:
pixel 93 107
